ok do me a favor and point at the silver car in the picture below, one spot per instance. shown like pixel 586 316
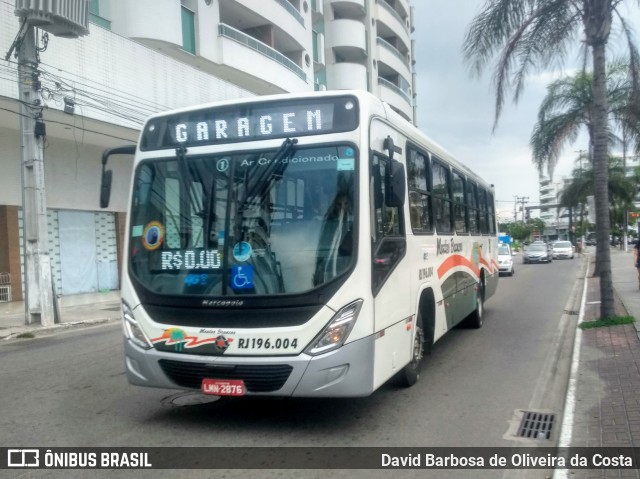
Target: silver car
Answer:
pixel 537 253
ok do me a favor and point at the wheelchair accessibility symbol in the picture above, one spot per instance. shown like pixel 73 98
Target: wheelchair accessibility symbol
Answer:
pixel 242 277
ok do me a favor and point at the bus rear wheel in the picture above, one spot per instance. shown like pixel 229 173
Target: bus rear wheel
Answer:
pixel 476 318
pixel 411 372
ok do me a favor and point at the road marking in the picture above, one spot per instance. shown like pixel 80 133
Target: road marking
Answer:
pixel 593 302
pixel 566 430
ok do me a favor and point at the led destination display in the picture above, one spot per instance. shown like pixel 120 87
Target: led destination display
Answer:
pixel 252 121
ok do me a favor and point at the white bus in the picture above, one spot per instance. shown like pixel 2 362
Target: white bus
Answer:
pixel 307 245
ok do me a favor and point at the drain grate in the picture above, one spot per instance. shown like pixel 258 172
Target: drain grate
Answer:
pixel 536 425
pixel 571 312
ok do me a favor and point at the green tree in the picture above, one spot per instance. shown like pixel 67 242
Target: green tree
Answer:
pixel 527 35
pixel 537 224
pixel 621 190
pixel 519 231
pixel 568 107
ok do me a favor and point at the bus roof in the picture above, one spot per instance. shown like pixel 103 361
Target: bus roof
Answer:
pixel 375 107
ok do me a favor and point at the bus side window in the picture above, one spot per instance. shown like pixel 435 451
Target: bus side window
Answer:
pixel 459 205
pixel 472 203
pixel 482 207
pixel 419 195
pixel 441 188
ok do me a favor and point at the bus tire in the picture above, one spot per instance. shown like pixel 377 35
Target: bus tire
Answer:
pixel 411 372
pixel 476 319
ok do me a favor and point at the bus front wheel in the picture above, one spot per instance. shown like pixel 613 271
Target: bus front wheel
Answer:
pixel 411 372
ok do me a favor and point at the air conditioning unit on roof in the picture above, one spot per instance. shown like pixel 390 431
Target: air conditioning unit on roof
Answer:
pixel 63 18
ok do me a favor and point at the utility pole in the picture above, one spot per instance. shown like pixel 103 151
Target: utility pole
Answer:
pixel 523 200
pixel 68 19
pixel 39 287
pixel 625 221
pixel 581 154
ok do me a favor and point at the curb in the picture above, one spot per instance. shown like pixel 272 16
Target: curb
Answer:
pixel 59 326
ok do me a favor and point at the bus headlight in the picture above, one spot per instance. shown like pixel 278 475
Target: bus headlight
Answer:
pixel 337 331
pixel 131 329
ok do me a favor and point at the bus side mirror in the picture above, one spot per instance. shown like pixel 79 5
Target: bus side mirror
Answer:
pixel 105 188
pixel 395 185
pixel 107 175
pixel 377 187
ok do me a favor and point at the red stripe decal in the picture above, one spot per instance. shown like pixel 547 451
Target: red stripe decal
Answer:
pixel 456 260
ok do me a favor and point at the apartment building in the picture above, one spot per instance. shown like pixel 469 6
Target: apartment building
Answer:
pixel 146 56
pixel 556 218
pixel 276 46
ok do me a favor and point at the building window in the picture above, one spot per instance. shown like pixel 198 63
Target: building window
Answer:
pixel 188 31
pixel 94 15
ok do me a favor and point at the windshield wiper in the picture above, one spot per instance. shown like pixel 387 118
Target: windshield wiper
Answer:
pixel 186 183
pixel 274 168
pixel 254 187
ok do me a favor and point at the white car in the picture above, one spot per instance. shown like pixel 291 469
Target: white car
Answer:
pixel 505 259
pixel 562 249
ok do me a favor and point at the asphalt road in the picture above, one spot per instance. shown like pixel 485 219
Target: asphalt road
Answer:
pixel 69 389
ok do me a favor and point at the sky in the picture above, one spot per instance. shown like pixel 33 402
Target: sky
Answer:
pixel 456 108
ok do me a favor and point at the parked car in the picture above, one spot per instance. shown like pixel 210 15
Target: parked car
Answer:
pixel 562 249
pixel 505 260
pixel 537 253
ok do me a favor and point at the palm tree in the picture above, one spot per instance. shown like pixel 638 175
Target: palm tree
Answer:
pixel 622 189
pixel 533 34
pixel 568 106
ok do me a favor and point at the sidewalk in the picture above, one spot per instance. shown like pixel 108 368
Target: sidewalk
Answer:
pixel 75 310
pixel 607 393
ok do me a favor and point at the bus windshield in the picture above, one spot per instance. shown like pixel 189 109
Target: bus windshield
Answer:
pixel 258 222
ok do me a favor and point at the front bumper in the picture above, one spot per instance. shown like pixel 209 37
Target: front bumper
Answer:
pixel 346 372
pixel 537 259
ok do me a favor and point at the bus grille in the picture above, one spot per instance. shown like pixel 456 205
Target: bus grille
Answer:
pixel 257 378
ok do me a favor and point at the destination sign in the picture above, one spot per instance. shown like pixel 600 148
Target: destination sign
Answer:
pixel 251 121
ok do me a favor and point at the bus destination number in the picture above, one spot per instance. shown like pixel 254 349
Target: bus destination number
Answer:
pixel 267 343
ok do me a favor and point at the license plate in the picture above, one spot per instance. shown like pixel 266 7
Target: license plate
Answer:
pixel 223 387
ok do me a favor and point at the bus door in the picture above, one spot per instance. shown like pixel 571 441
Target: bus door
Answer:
pixel 390 274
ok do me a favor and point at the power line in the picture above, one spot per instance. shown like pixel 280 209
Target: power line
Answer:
pixel 72 126
pixel 105 88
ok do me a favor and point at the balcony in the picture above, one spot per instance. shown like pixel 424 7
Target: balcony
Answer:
pixel 354 9
pixel 292 11
pixel 348 39
pixel 392 18
pixel 279 21
pixel 399 99
pixel 393 58
pixel 251 43
pixel 347 76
